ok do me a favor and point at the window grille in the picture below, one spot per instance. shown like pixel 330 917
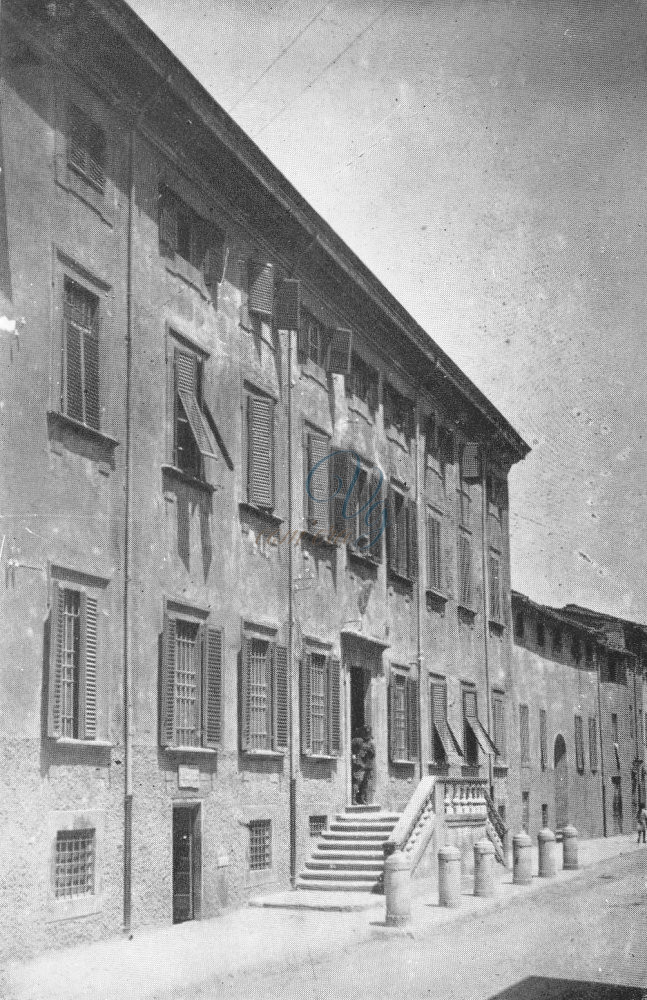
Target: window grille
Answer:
pixel 543 739
pixel 593 744
pixel 80 395
pixel 187 732
pixel 399 721
pixel 260 845
pixel 524 734
pixel 191 700
pixel 579 743
pixel 318 704
pixel 86 148
pixel 264 715
pixel 317 825
pixel 74 872
pixel 259 694
pixel 69 682
pixel 73 638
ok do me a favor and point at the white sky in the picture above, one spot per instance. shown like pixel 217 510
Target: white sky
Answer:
pixel 487 161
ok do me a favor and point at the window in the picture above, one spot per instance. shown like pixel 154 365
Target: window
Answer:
pixel 442 741
pixel 496 497
pixel 74 866
pixel 73 645
pixel 436 460
pixel 519 625
pixel 498 723
pixel 317 493
pixel 398 412
pixel 541 633
pixel 260 451
pixel 184 235
pixel 496 608
pixel 403 718
pixel 464 570
pixel 362 383
pixel 358 505
pixel 475 736
pixel 524 734
pixel 80 383
pixel 593 744
pixel 434 552
pixel 260 845
pixel 192 677
pixel 402 535
pixel 317 825
pixel 557 641
pixel 320 706
pixel 264 696
pixel 314 339
pixel 614 727
pixel 579 744
pixel 192 423
pixel 543 739
pixel 86 148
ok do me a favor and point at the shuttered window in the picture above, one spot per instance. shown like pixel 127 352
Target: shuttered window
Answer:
pixel 320 706
pixel 317 483
pixel 260 451
pixel 475 735
pixel 86 148
pixel 593 744
pixel 260 292
pixel 362 383
pixel 434 552
pixel 498 722
pixel 496 610
pixel 80 383
pixel 264 708
pixel 579 744
pixel 73 663
pixel 313 340
pixel 183 234
pixel 358 505
pixel 439 736
pixel 192 679
pixel 524 734
pixel 464 570
pixel 403 718
pixel 543 739
pixel 398 411
pixel 402 535
pixel 470 461
pixel 193 439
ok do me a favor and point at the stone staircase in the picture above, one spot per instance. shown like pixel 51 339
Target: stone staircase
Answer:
pixel 349 856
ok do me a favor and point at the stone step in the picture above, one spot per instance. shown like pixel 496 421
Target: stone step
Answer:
pixel 353 828
pixel 340 857
pixel 368 819
pixel 338 886
pixel 347 864
pixel 374 807
pixel 359 835
pixel 341 875
pixel 351 845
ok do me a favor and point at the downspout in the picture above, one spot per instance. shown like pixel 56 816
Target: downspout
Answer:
pixel 604 794
pixel 420 535
pixel 486 611
pixel 291 681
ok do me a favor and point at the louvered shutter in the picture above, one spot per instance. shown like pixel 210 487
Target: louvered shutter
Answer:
pixel 167 223
pixel 213 261
pixel 318 483
pixel 73 372
pixel 393 740
pixel 334 701
pixel 470 463
pixel 281 699
pixel 91 379
pixel 261 288
pixel 579 743
pixel 391 531
pixel 187 389
pixel 402 536
pixel 495 587
pixel 469 704
pixel 55 660
pixel 340 351
pixel 412 540
pixel 306 704
pixel 212 679
pixel 499 724
pixel 465 570
pixel 376 516
pixel 167 727
pixel 434 576
pixel 412 718
pixel 88 667
pixel 288 307
pixel 260 471
pixel 339 488
pixel 245 706
pixel 438 715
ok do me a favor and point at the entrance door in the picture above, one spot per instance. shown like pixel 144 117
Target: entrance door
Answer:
pixel 561 784
pixel 186 863
pixel 360 720
pixel 616 784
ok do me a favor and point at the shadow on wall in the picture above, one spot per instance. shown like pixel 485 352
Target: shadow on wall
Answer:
pixel 542 988
pixel 5 271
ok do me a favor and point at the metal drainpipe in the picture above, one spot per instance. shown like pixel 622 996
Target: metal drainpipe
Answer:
pixel 291 681
pixel 604 794
pixel 486 611
pixel 420 534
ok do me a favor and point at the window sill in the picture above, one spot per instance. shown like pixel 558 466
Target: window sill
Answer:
pixel 190 275
pixel 86 192
pixel 199 484
pixel 320 756
pixel 362 557
pixel 191 750
pixel 311 370
pixel 398 437
pixel 400 577
pixel 311 535
pixel 359 406
pixel 403 763
pixel 62 419
pixel 496 626
pixel 437 595
pixel 68 741
pixel 467 611
pixel 267 515
pixel 272 754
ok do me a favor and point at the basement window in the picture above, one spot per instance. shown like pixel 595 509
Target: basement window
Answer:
pixel 75 863
pixel 317 825
pixel 260 845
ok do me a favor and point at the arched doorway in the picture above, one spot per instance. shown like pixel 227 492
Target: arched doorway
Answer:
pixel 561 784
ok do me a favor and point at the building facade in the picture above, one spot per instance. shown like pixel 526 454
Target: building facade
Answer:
pixel 250 507
pixel 579 733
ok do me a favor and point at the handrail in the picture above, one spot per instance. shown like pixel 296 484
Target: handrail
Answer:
pixel 410 817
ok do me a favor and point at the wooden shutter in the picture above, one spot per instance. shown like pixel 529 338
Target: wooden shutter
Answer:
pixel 280 688
pixel 402 535
pixel 465 570
pixel 212 680
pixel 543 739
pixel 334 701
pixel 55 660
pixel 73 371
pixel 495 587
pixel 318 483
pixel 412 718
pixel 470 461
pixel 340 352
pixel 288 307
pixel 261 288
pixel 342 476
pixel 88 668
pixel 187 389
pixel 438 717
pixel 167 726
pixel 524 733
pixel 245 694
pixel 306 704
pixel 376 516
pixel 499 724
pixel 260 451
pixel 213 261
pixel 434 557
pixel 469 704
pixel 579 743
pixel 391 531
pixel 593 744
pixel 91 376
pixel 412 540
pixel 167 223
pixel 393 742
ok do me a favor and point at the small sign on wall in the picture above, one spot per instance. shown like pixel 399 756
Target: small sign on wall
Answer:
pixel 188 777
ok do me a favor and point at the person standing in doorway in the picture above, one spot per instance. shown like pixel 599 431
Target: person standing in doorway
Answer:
pixel 363 757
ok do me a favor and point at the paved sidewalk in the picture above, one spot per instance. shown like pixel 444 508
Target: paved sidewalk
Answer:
pixel 158 962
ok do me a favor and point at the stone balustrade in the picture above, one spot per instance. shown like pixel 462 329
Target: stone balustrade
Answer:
pixel 464 798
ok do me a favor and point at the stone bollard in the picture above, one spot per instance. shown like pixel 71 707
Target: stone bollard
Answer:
pixel 397 889
pixel 569 845
pixel 449 876
pixel 547 853
pixel 484 868
pixel 521 859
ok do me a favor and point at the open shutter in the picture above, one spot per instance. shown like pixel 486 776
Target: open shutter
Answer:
pixel 376 516
pixel 465 570
pixel 261 288
pixel 167 728
pixel 73 372
pixel 213 261
pixel 186 386
pixel 393 747
pixel 318 483
pixel 340 352
pixel 288 307
pixel 88 671
pixel 412 540
pixel 470 463
pixel 341 481
pixel 334 703
pixel 306 704
pixel 167 223
pixel 434 576
pixel 260 470
pixel 280 688
pixel 391 531
pixel 55 660
pixel 245 694
pixel 412 717
pixel 91 379
pixel 212 687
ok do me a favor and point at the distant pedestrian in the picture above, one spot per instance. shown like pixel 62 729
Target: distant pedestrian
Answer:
pixel 642 823
pixel 363 750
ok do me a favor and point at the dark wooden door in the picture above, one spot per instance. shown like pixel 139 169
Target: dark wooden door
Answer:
pixel 186 858
pixel 561 784
pixel 616 784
